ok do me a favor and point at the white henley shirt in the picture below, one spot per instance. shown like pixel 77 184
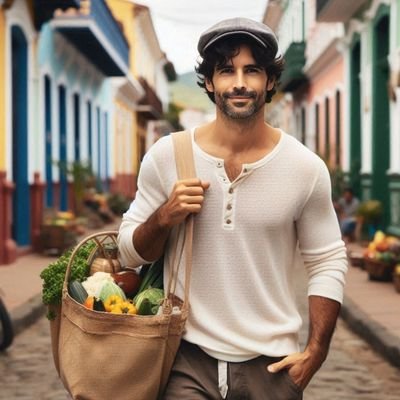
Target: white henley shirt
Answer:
pixel 246 242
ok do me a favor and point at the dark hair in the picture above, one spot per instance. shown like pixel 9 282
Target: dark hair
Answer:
pixel 218 54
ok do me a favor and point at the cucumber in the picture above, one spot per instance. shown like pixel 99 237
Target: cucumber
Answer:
pixel 146 308
pixel 77 291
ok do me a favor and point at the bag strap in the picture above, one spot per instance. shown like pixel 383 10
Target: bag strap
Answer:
pixel 185 168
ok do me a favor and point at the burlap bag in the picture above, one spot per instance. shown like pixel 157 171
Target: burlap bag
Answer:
pixel 118 356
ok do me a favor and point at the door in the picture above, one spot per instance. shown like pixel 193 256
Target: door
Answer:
pixel 21 198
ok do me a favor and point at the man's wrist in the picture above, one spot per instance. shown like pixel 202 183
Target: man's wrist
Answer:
pixel 316 352
pixel 162 219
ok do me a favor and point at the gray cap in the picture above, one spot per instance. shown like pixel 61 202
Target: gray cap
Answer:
pixel 260 32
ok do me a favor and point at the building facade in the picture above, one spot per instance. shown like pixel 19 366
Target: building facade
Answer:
pixel 346 86
pixel 71 95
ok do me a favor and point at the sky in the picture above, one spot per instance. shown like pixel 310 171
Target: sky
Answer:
pixel 179 23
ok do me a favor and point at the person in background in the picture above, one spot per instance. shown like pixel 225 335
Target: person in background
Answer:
pixel 259 196
pixel 347 207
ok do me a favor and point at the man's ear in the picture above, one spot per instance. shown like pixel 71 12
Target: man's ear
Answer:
pixel 209 85
pixel 270 84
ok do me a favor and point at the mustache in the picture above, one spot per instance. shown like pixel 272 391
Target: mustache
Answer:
pixel 240 92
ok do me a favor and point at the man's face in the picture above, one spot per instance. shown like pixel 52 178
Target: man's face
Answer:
pixel 240 86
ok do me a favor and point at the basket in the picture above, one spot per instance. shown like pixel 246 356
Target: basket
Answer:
pixel 356 259
pixel 396 281
pixel 378 270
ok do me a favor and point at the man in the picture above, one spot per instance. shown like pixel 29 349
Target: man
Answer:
pixel 259 195
pixel 347 209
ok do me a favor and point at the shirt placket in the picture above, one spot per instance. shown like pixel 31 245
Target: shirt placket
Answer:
pixel 230 189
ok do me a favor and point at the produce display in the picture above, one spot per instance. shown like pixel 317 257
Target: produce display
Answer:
pixel 122 292
pixel 383 248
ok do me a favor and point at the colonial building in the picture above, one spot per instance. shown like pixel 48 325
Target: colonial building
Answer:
pixel 342 88
pixel 72 94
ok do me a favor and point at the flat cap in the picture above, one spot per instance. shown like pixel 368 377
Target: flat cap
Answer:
pixel 260 32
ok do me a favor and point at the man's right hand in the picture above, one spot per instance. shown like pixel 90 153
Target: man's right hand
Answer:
pixel 187 197
pixel 150 237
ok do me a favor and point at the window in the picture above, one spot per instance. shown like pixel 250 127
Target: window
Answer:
pixel 338 144
pixel 327 133
pixel 77 123
pixel 317 128
pixel 303 125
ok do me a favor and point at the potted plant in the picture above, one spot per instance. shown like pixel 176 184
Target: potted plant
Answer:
pixel 370 213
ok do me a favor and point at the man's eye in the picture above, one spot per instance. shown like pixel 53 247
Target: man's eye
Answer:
pixel 226 70
pixel 253 70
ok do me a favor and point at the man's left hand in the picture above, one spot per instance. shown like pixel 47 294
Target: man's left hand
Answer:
pixel 301 367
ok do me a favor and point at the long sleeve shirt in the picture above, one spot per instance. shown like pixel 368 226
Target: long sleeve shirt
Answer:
pixel 248 238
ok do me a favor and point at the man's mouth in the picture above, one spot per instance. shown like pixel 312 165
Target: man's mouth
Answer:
pixel 240 96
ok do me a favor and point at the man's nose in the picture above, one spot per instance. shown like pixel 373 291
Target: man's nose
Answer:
pixel 239 80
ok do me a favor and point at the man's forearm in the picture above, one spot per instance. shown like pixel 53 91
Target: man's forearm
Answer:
pixel 149 238
pixel 323 316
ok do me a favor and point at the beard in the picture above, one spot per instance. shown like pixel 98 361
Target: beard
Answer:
pixel 247 110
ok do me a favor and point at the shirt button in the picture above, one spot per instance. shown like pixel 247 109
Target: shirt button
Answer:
pixel 219 165
pixel 245 170
pixel 228 221
pixel 230 190
pixel 229 207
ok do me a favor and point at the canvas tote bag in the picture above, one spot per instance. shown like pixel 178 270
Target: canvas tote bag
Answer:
pixel 104 356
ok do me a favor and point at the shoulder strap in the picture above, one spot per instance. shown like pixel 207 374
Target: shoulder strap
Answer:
pixel 184 154
pixel 185 169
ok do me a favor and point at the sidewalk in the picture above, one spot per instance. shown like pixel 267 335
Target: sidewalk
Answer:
pixel 21 284
pixel 372 309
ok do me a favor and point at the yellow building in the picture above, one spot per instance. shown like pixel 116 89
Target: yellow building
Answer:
pixel 127 94
pixel 141 98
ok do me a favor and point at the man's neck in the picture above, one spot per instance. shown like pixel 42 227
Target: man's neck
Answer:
pixel 241 135
pixel 227 138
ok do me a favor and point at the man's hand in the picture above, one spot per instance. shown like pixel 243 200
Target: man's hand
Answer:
pixel 187 197
pixel 150 237
pixel 301 367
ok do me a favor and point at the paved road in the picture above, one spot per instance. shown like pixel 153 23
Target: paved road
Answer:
pixel 352 372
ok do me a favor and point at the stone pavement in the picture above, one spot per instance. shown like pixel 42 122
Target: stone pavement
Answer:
pixel 372 309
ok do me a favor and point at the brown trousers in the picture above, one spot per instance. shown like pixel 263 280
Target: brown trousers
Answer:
pixel 194 376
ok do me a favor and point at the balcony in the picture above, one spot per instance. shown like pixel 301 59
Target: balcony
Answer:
pixel 93 30
pixel 150 106
pixel 44 9
pixel 293 76
pixel 337 10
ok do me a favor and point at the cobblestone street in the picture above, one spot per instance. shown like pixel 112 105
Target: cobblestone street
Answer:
pixel 352 372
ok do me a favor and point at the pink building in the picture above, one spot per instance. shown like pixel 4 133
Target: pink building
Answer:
pixel 312 106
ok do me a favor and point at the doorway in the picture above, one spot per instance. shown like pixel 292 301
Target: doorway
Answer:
pixel 19 93
pixel 380 116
